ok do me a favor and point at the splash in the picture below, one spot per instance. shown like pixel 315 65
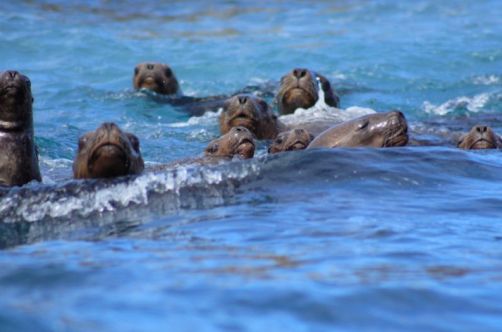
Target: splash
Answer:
pixel 322 112
pixel 486 80
pixel 178 188
pixel 471 104
pixel 208 118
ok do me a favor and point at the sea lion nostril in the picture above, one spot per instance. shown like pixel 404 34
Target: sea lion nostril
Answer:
pixel 299 73
pixel 12 73
pixel 149 66
pixel 243 100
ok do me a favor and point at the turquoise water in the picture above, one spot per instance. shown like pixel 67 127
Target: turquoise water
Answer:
pixel 352 239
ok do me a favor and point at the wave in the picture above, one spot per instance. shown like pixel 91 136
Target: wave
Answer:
pixel 475 104
pixel 82 198
pixel 322 112
pixel 486 80
pixel 48 211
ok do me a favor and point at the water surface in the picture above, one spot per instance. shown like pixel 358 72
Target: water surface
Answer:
pixel 351 239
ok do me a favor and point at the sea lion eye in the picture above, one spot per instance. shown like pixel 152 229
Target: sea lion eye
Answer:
pixel 28 83
pixel 136 71
pixel 363 125
pixel 169 72
pixel 279 141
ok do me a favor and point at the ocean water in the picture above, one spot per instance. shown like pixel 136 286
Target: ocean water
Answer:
pixel 397 239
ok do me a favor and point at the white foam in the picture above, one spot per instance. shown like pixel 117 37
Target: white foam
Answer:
pixel 323 112
pixel 472 104
pixel 486 80
pixel 207 118
pixel 83 198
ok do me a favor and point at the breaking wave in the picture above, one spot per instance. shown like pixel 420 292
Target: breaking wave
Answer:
pixel 475 104
pixel 188 186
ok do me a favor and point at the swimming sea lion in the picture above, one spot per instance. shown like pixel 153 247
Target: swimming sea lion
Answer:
pixel 160 78
pixel 18 152
pixel 157 77
pixel 299 89
pixel 238 141
pixel 480 137
pixel 372 130
pixel 107 152
pixel 251 112
pixel 295 139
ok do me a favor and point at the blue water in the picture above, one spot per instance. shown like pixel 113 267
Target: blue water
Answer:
pixel 350 239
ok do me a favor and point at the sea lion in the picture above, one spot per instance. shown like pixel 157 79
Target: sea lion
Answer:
pixel 107 152
pixel 157 77
pixel 252 113
pixel 372 130
pixel 160 78
pixel 480 137
pixel 299 89
pixel 295 139
pixel 238 141
pixel 18 152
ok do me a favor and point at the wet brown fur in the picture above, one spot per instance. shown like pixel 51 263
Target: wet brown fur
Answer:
pixel 107 152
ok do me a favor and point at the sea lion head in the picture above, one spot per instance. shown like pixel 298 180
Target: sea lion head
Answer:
pixel 372 130
pixel 15 101
pixel 300 89
pixel 107 152
pixel 238 141
pixel 479 137
pixel 295 139
pixel 157 77
pixel 250 112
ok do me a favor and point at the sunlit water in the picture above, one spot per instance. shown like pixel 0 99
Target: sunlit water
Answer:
pixel 351 239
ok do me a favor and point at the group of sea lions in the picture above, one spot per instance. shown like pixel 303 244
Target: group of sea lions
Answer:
pixel 110 152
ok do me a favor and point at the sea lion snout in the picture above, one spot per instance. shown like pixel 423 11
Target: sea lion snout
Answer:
pixel 242 99
pixel 300 72
pixel 481 129
pixel 397 118
pixel 238 141
pixel 12 73
pixel 251 112
pixel 479 137
pixel 15 100
pixel 157 77
pixel 107 152
pixel 300 89
pixel 295 139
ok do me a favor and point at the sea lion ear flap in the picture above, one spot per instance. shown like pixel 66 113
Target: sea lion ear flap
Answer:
pixel 134 141
pixel 212 148
pixel 330 97
pixel 461 141
pixel 82 141
pixel 263 105
pixel 226 104
pixel 499 141
pixel 311 136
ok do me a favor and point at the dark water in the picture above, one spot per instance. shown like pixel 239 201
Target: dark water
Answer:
pixel 350 239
